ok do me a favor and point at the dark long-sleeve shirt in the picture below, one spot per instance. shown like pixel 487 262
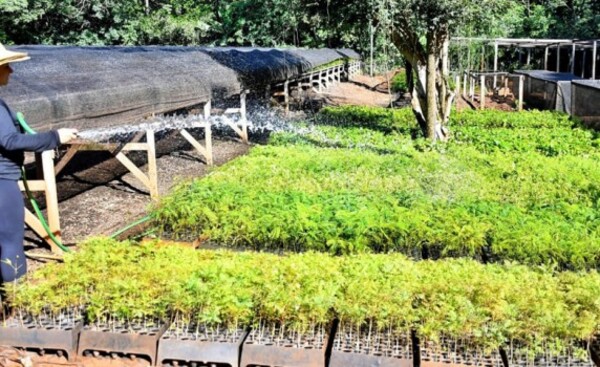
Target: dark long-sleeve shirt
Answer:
pixel 14 143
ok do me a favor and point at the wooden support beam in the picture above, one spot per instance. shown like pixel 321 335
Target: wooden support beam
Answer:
pixel 207 110
pixel 51 197
pixel 152 165
pixel 34 185
pixel 244 119
pixel 73 149
pixel 205 151
pixel 36 226
pixel 286 96
pixel 121 157
pixel 465 78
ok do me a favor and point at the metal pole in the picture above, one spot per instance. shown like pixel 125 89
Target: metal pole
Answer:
pixel 594 53
pixel 583 63
pixel 528 56
pixel 546 58
pixel 573 49
pixel 521 80
pixel 558 58
pixel 495 62
pixel 372 45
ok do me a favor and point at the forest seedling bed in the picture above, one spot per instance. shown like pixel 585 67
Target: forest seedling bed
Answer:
pixel 200 345
pixel 53 334
pixel 130 339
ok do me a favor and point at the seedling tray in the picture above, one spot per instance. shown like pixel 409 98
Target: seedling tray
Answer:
pixel 267 350
pixel 355 348
pixel 206 347
pixel 349 359
pixel 128 340
pixel 44 335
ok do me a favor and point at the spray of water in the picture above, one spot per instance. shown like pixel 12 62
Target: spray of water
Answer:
pixel 261 121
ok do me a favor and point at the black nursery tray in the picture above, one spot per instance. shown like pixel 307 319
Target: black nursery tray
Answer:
pixel 47 334
pixel 129 339
pixel 352 348
pixel 271 349
pixel 214 346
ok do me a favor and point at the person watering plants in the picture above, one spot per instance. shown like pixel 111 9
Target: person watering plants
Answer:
pixel 13 143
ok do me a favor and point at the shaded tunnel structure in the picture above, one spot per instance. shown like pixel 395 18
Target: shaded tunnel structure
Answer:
pixel 91 87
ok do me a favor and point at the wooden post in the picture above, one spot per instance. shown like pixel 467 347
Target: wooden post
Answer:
pixel 505 85
pixel 573 50
pixel 51 197
pixel 243 119
pixel 495 62
pixel 546 58
pixel 528 56
pixel 152 167
pixel 521 81
pixel 457 82
pixel 465 84
pixel 207 110
pixel 286 96
pixel 594 56
pixel 482 92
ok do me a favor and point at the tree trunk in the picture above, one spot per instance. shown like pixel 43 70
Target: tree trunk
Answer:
pixel 431 95
pixel 431 110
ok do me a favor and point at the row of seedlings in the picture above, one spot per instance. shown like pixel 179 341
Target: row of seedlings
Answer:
pixel 178 306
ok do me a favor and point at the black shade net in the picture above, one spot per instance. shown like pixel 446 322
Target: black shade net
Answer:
pixel 258 67
pixel 548 90
pixel 93 87
pixel 586 101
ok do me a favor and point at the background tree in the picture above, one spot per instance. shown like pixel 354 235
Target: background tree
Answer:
pixel 421 30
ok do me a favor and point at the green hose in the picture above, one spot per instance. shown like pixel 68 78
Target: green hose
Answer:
pixel 34 203
pixel 131 225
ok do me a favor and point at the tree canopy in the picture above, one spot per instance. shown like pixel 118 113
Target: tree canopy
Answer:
pixel 419 29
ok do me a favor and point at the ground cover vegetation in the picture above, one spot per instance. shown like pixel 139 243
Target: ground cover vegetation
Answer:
pixel 386 294
pixel 508 186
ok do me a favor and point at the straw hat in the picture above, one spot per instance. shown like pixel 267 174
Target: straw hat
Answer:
pixel 7 56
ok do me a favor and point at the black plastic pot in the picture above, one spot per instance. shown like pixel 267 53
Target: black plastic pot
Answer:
pixel 127 341
pixel 285 352
pixel 49 336
pixel 220 349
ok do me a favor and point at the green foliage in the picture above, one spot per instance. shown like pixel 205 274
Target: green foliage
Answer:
pixel 510 186
pixel 460 299
pixel 399 83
